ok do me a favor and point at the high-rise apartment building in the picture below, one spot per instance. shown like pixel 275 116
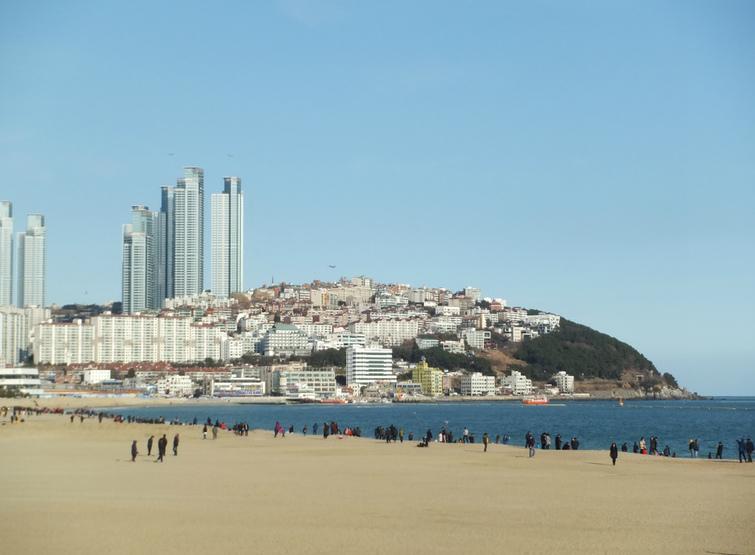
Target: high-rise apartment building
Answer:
pixel 168 233
pixel 188 233
pixel 32 262
pixel 6 253
pixel 227 223
pixel 142 277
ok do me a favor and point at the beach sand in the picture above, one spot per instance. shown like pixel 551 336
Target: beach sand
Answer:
pixel 71 488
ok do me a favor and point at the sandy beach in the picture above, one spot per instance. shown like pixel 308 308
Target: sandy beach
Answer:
pixel 72 488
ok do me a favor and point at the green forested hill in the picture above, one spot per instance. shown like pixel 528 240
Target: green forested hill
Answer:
pixel 583 352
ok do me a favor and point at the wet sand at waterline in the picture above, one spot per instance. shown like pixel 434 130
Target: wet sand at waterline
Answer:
pixel 72 488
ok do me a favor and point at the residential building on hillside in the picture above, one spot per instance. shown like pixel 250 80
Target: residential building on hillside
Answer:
pixel 285 340
pixel 564 382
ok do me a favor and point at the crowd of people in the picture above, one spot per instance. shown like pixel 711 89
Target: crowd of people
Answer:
pixel 389 433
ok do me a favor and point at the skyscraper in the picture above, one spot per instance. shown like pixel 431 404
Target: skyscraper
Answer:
pixel 6 253
pixel 32 262
pixel 188 233
pixel 168 234
pixel 133 276
pixel 227 223
pixel 142 278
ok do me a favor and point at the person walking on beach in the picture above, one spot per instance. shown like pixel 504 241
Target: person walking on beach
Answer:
pixel 215 432
pixel 741 448
pixel 749 449
pixel 134 451
pixel 175 445
pixel 614 453
pixel 719 450
pixel 696 447
pixel 530 444
pixel 401 435
pixel 149 445
pixel 643 446
pixel 558 442
pixel 466 435
pixel 325 430
pixel 485 442
pixel 162 446
pixel 204 432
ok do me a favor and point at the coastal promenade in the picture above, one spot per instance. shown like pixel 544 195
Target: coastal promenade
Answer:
pixel 72 488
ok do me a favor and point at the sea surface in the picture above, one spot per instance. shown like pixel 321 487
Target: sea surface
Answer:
pixel 595 423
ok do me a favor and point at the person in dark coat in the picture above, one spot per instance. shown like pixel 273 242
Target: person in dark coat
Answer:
pixel 162 446
pixel 624 447
pixel 558 442
pixel 175 445
pixel 614 453
pixel 749 449
pixel 719 450
pixel 149 445
pixel 325 430
pixel 485 440
pixel 134 451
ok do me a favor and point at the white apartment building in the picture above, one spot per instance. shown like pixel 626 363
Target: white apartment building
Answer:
pixel 387 332
pixel 369 365
pixel 447 311
pixel 59 343
pixel 117 339
pixel 477 384
pixel 174 385
pixel 286 340
pixel 315 329
pixel 564 382
pixel 517 383
pixel 12 340
pixel 475 338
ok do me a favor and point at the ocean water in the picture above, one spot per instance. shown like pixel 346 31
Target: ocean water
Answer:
pixel 595 423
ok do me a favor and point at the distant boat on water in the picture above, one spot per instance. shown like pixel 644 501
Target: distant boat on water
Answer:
pixel 535 401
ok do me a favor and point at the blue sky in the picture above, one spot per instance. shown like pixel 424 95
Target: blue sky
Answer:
pixel 592 159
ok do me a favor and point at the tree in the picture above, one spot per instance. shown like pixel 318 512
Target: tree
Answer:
pixel 670 380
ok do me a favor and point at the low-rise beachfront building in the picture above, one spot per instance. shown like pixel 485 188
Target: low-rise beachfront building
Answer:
pixel 408 388
pixel 369 365
pixel 175 385
pixel 477 384
pixel 564 382
pixel 24 381
pixel 321 381
pixel 517 384
pixel 92 376
pixel 237 387
pixel 430 379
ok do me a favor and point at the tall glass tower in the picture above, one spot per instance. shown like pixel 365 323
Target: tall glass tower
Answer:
pixel 32 262
pixel 227 223
pixel 6 253
pixel 142 279
pixel 188 233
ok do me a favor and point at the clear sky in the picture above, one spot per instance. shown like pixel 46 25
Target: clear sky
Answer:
pixel 595 159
